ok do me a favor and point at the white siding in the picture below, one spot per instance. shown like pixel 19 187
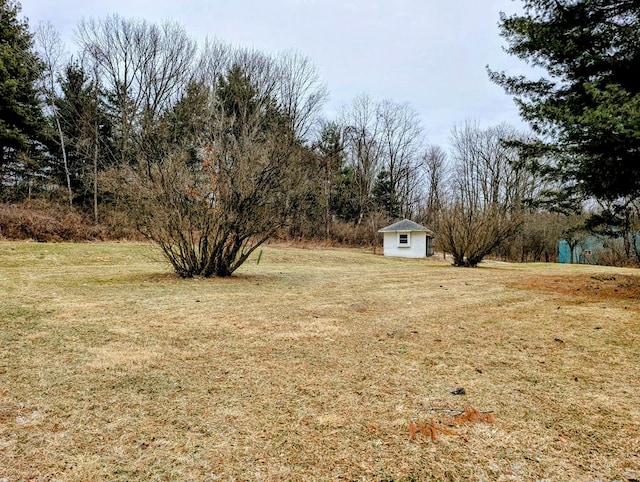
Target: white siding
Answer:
pixel 417 240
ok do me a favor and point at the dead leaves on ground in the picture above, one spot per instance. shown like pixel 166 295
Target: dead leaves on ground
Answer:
pixel 434 428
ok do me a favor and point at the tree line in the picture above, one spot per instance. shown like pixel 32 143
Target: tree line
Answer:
pixel 210 150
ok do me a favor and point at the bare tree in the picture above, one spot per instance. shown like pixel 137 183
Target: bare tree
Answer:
pixel 401 138
pixel 111 45
pixel 300 92
pixel 383 145
pixel 167 57
pixel 214 60
pixel 486 193
pixel 96 139
pixel 145 68
pixel 51 52
pixel 289 78
pixel 434 162
pixel 363 149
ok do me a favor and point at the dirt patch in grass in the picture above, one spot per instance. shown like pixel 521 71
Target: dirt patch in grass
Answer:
pixel 313 365
pixel 609 285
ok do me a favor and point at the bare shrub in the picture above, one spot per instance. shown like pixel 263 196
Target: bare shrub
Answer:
pixel 362 234
pixel 614 254
pixel 470 234
pixel 487 190
pixel 211 203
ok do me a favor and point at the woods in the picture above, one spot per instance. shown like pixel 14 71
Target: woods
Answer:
pixel 209 150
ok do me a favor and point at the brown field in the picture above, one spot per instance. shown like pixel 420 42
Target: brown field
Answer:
pixel 313 365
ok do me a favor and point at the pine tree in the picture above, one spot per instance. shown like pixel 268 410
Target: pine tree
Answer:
pixel 21 118
pixel 330 155
pixel 587 111
pixel 87 130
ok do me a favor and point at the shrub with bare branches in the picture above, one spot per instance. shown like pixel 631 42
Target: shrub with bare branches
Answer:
pixel 487 190
pixel 211 204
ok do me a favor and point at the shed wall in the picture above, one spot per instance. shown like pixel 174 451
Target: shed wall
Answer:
pixel 418 248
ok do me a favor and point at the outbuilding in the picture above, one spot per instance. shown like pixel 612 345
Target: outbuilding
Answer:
pixel 406 239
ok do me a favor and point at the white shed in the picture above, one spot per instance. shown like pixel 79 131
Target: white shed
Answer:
pixel 406 239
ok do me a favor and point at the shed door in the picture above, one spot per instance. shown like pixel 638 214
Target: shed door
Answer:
pixel 429 244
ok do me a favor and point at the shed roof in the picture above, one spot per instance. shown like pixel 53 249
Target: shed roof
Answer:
pixel 405 225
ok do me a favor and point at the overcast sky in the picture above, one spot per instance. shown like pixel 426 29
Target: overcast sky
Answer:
pixel 429 53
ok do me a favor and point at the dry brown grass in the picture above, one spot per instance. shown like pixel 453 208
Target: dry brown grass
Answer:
pixel 311 366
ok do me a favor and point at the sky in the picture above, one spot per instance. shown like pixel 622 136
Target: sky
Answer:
pixel 431 54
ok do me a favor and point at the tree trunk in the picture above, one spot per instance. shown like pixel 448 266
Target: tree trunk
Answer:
pixel 64 156
pixel 327 200
pixel 95 176
pixel 572 247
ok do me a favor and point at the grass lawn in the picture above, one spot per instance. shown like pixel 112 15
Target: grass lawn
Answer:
pixel 311 365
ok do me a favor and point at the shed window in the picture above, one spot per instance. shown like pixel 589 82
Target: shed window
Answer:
pixel 404 240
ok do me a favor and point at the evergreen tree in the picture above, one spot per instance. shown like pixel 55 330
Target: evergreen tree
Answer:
pixel 21 119
pixel 346 201
pixel 587 111
pixel 330 154
pixel 87 128
pixel 183 123
pixel 384 195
